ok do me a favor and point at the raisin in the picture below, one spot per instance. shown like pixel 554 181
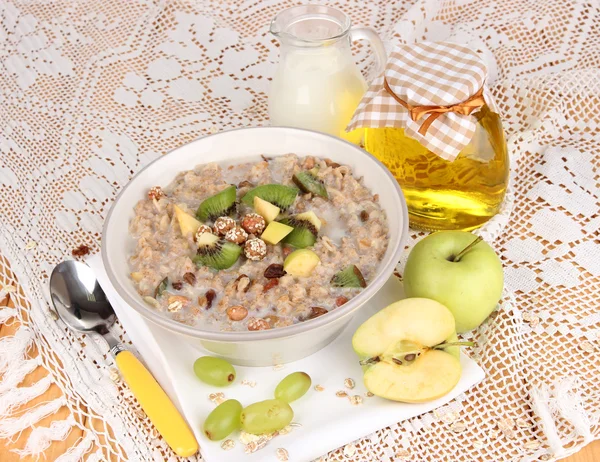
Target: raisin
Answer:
pixel 274 271
pixel 177 285
pixel 269 285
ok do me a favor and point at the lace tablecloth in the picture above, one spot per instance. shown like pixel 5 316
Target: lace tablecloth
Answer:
pixel 92 91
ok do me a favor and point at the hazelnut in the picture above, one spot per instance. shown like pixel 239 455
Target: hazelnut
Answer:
pixel 258 324
pixel 340 300
pixel 236 235
pixel 255 249
pixel 155 192
pixel 237 312
pixel 223 224
pixel 253 223
pixel 201 230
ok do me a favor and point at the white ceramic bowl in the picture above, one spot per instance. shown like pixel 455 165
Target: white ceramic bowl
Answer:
pixel 268 347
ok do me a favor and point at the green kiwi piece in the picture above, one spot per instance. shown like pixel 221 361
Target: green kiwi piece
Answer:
pixel 161 287
pixel 221 204
pixel 303 235
pixel 277 194
pixel 220 255
pixel 308 182
pixel 349 277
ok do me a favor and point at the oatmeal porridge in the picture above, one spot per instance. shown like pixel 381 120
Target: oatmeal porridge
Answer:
pixel 256 245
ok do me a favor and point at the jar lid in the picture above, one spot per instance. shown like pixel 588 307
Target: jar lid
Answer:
pixel 430 89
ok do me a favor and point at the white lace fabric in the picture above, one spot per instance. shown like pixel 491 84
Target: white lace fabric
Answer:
pixel 93 91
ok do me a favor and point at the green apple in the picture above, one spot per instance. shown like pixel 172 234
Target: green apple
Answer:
pixel 460 271
pixel 409 351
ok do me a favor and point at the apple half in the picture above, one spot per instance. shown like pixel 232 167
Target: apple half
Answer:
pixel 406 351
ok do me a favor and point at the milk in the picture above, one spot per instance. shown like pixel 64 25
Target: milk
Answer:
pixel 317 88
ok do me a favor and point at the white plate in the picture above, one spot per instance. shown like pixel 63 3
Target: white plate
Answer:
pixel 328 422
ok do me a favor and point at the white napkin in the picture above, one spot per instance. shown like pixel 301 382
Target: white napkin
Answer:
pixel 327 421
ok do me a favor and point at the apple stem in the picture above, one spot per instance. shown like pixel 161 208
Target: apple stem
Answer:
pixel 477 240
pixel 441 346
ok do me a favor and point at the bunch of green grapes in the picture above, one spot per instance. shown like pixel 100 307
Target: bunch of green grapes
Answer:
pixel 259 418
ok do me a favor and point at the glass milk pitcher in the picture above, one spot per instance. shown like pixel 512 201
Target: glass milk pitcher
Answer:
pixel 318 85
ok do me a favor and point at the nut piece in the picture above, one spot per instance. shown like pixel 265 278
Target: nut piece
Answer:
pixel 271 319
pixel 207 299
pixel 364 216
pixel 274 270
pixel 255 249
pixel 242 283
pixel 236 235
pixel 223 224
pixel 316 311
pixel 190 278
pixel 269 285
pixel 253 223
pixel 201 230
pixel 155 192
pixel 245 184
pixel 237 313
pixel 177 285
pixel 258 324
pixel 340 300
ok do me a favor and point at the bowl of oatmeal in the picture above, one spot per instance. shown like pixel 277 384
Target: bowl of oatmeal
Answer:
pixel 257 244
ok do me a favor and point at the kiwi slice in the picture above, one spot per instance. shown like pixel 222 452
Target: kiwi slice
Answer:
pixel 221 204
pixel 304 233
pixel 308 182
pixel 348 277
pixel 217 253
pixel 277 194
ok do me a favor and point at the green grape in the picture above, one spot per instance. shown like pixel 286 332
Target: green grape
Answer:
pixel 293 387
pixel 223 420
pixel 266 416
pixel 214 371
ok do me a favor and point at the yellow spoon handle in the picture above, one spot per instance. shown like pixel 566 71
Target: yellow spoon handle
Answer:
pixel 157 405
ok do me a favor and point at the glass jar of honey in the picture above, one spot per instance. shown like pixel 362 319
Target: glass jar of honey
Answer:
pixel 429 119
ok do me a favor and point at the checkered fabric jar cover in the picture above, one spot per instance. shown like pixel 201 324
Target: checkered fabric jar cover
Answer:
pixel 431 90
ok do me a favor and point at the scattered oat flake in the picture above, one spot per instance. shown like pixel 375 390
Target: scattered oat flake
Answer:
pixel 140 414
pixel 341 394
pixel 282 454
pixel 458 427
pixel 251 447
pixel 217 398
pixel 522 423
pixel 319 387
pixel 478 444
pixel 278 367
pixel 53 314
pixel 369 394
pixel 450 417
pixel 285 430
pixel 532 445
pixel 246 437
pixel 113 373
pixel 128 394
pixel 403 453
pixel 349 383
pixel 356 400
pixel 586 346
pixel 349 450
pixel 494 434
pixel 249 383
pixel 227 445
pixel 31 245
pixel 506 424
pixel 295 424
pixel 9 289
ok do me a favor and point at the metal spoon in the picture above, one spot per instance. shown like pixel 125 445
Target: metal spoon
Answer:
pixel 82 305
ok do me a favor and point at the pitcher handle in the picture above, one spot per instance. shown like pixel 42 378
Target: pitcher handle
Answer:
pixel 368 34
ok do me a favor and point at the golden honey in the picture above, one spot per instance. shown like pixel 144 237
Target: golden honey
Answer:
pixel 460 194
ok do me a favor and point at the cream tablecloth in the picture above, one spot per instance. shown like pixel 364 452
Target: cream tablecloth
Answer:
pixel 92 91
